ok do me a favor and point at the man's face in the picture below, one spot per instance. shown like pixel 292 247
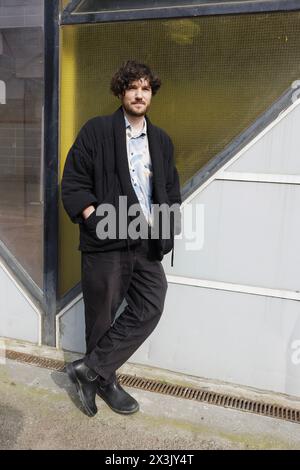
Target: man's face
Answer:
pixel 137 98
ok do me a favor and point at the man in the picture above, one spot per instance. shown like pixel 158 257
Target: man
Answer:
pixel 116 156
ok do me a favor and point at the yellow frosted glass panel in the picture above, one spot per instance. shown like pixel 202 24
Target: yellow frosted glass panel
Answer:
pixel 219 74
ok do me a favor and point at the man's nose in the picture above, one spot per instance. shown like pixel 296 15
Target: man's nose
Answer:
pixel 139 93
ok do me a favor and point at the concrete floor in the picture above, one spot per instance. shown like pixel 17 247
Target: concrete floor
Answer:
pixel 39 409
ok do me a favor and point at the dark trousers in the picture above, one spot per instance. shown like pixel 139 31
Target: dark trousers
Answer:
pixel 108 278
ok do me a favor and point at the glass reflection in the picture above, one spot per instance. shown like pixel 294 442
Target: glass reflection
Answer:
pixel 21 191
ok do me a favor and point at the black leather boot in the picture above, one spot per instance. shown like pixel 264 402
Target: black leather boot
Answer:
pixel 116 397
pixel 85 380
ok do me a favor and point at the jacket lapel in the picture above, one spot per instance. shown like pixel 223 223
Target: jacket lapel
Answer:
pixel 121 157
pixel 157 163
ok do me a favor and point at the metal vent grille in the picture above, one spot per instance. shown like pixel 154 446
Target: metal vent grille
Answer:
pixel 189 393
pixel 38 361
pixel 213 398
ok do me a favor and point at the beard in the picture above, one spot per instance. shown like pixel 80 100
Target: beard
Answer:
pixel 131 111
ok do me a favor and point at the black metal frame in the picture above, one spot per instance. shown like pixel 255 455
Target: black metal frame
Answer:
pixel 203 9
pixel 51 166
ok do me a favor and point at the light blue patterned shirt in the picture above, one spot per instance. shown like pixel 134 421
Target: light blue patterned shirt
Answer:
pixel 140 166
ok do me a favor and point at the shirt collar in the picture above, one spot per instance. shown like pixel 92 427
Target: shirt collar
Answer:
pixel 129 129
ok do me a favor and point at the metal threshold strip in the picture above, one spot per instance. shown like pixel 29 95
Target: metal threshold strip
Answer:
pixel 189 393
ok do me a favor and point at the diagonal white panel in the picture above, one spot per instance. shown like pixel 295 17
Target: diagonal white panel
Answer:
pixel 277 151
pixel 19 318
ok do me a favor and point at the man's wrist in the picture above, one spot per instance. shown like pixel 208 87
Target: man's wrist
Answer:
pixel 88 211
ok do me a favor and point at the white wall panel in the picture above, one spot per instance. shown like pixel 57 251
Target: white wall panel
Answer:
pixel 18 317
pixel 238 338
pixel 72 328
pixel 277 151
pixel 233 337
pixel 251 236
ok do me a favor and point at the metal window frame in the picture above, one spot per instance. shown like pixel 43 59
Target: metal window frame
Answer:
pixel 51 170
pixel 216 8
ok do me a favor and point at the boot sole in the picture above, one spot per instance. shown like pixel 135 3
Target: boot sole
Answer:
pixel 115 409
pixel 72 376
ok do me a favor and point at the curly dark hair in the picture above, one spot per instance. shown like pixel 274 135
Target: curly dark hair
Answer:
pixel 128 73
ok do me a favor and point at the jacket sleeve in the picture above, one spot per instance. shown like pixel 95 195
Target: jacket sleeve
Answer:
pixel 77 186
pixel 172 183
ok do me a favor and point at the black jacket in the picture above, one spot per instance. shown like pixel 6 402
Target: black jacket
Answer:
pixel 96 171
